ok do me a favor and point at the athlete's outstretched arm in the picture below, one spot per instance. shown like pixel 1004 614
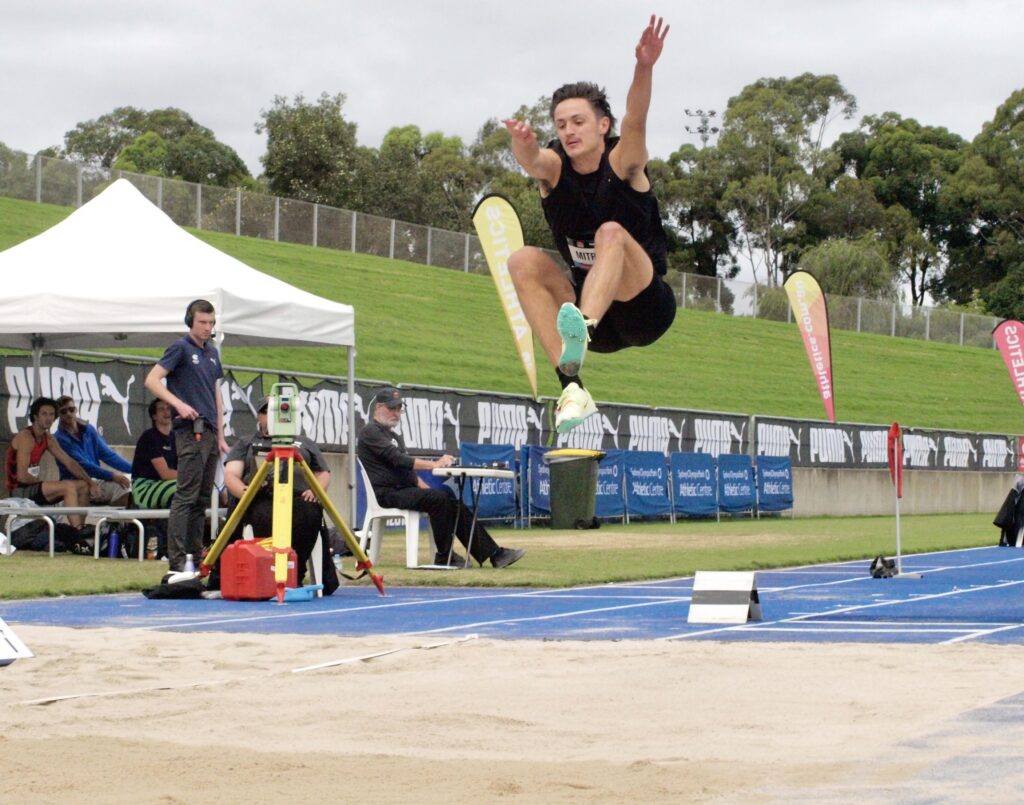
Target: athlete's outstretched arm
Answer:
pixel 630 155
pixel 539 163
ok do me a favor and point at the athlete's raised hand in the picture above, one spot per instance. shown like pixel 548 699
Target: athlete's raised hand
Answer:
pixel 540 163
pixel 651 41
pixel 520 132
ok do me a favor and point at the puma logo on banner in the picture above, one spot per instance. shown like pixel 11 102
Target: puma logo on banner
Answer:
pixel 654 433
pixel 83 387
pixel 715 436
pixel 874 446
pixel 508 423
pixel 829 445
pixel 776 440
pixel 958 451
pixel 325 415
pixel 917 450
pixel 995 452
pixel 590 434
pixel 111 390
pixel 423 423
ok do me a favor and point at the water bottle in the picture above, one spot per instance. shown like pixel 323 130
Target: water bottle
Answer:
pixel 114 544
pixel 190 565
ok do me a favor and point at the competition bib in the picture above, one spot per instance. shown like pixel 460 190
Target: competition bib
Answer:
pixel 582 253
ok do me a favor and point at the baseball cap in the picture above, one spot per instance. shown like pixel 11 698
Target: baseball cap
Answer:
pixel 388 396
pixel 263 407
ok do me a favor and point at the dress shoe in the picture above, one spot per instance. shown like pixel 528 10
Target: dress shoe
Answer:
pixel 454 561
pixel 504 557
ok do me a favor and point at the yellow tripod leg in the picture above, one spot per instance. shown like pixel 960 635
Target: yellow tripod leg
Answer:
pixel 350 539
pixel 236 516
pixel 282 523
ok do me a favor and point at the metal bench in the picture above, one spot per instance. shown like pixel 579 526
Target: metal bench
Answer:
pixel 103 514
pixel 47 513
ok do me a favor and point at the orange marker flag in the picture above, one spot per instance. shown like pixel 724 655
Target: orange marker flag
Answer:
pixel 895 452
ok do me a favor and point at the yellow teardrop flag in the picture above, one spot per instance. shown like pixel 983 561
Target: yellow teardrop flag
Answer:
pixel 811 314
pixel 500 233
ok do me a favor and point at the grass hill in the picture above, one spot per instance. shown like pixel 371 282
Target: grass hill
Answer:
pixel 434 326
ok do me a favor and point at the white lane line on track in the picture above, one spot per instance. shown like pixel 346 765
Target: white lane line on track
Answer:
pixel 484 595
pixel 840 610
pixel 861 630
pixel 983 633
pixel 547 617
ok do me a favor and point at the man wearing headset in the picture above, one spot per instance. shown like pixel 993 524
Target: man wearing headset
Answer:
pixel 192 369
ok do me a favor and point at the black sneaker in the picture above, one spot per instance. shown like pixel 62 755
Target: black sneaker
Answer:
pixel 455 560
pixel 503 557
pixel 84 541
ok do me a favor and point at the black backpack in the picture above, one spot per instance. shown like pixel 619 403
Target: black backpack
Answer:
pixel 34 535
pixel 882 568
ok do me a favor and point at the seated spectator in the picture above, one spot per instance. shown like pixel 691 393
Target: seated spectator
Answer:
pixel 85 445
pixel 25 454
pixel 241 465
pixel 392 472
pixel 155 466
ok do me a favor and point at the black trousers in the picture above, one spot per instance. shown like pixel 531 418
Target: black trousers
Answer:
pixel 442 508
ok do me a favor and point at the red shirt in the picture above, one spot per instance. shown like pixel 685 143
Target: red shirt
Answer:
pixel 38 448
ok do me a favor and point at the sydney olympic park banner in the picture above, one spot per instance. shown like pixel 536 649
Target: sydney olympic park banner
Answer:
pixel 111 396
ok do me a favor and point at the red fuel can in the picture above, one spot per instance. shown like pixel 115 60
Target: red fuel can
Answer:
pixel 247 572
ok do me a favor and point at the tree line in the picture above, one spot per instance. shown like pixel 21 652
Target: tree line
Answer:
pixel 894 204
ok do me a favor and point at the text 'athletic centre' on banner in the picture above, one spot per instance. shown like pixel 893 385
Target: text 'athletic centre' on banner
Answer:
pixel 807 301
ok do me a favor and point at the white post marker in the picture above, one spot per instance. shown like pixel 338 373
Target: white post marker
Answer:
pixel 724 597
pixel 11 647
pixel 895 450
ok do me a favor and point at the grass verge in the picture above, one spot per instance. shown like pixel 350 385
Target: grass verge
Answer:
pixel 555 558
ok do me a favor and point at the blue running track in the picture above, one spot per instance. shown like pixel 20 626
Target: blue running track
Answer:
pixel 968 595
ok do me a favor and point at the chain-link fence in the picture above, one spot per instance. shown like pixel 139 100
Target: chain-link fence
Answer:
pixel 55 181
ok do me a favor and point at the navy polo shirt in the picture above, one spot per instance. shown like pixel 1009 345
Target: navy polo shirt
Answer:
pixel 192 375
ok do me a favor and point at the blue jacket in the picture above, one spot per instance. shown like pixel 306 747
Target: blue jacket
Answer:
pixel 89 449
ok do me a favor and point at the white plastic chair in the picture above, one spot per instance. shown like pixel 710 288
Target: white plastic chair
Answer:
pixel 372 531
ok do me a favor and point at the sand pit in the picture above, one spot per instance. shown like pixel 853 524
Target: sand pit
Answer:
pixel 223 718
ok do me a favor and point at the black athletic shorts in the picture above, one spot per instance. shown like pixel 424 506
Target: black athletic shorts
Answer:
pixel 33 492
pixel 641 321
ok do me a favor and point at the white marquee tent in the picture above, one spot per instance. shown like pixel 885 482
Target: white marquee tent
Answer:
pixel 119 273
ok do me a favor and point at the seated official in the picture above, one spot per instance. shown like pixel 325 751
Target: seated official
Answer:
pixel 26 451
pixel 155 465
pixel 392 471
pixel 241 464
pixel 85 445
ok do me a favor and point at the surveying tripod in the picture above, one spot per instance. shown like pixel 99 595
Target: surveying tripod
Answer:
pixel 283 459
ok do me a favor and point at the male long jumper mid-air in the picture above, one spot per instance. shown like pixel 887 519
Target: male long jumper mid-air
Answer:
pixel 597 199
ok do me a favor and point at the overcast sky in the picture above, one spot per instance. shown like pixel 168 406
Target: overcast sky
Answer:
pixel 449 66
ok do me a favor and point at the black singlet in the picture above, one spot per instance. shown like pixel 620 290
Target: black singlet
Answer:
pixel 580 203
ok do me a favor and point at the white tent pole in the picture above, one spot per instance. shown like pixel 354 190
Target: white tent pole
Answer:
pixel 351 434
pixel 899 548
